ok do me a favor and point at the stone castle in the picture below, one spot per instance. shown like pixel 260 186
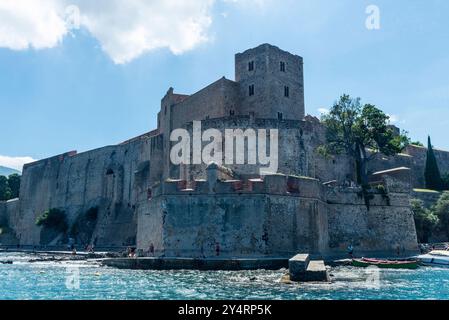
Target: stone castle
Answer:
pixel 206 210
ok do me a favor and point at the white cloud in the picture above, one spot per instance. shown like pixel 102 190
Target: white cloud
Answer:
pixel 30 23
pixel 15 162
pixel 125 29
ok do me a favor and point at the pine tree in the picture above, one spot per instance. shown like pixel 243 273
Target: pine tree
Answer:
pixel 432 172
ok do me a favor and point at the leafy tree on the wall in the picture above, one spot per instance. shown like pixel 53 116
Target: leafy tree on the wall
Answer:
pixel 14 185
pixel 432 172
pixel 360 131
pixel 441 210
pixel 5 190
pixel 426 221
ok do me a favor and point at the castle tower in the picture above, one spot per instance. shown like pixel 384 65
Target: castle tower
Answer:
pixel 271 83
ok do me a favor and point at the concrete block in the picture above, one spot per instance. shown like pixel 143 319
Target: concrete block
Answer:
pixel 317 272
pixel 297 267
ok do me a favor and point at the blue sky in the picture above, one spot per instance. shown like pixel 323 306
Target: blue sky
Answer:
pixel 101 83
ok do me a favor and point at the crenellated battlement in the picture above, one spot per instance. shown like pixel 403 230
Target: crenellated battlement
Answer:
pixel 388 192
pixel 277 184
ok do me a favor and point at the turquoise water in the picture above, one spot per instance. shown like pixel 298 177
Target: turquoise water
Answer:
pixel 49 280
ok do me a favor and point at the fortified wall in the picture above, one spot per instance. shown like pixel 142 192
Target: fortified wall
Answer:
pixel 110 179
pixel 276 216
pixel 298 143
pixel 140 199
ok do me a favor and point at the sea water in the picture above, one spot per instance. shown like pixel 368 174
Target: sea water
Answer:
pixel 86 280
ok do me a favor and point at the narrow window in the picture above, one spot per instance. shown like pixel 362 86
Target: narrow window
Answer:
pixel 231 112
pixel 286 91
pixel 280 115
pixel 251 66
pixel 165 109
pixel 251 90
pixel 282 64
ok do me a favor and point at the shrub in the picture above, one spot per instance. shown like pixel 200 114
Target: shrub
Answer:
pixel 441 210
pixel 425 221
pixel 53 219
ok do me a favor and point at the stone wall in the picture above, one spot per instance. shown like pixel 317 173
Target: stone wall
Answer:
pixel 255 219
pixel 382 228
pixel 413 157
pixel 214 101
pixel 269 81
pixel 429 198
pixel 298 143
pixel 278 216
pixel 112 179
pixel 9 213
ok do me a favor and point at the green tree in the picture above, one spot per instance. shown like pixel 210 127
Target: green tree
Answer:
pixel 441 210
pixel 361 131
pixel 14 185
pixel 5 190
pixel 425 221
pixel 54 218
pixel 432 172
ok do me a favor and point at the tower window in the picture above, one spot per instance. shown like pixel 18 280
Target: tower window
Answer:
pixel 231 112
pixel 251 66
pixel 251 90
pixel 280 115
pixel 286 91
pixel 282 65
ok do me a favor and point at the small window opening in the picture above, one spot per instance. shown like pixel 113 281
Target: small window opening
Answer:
pixel 286 92
pixel 251 90
pixel 251 66
pixel 282 66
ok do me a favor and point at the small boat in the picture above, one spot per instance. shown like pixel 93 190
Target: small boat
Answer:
pixel 390 264
pixel 436 258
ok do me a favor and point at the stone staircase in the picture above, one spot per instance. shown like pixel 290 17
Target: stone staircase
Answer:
pixel 301 269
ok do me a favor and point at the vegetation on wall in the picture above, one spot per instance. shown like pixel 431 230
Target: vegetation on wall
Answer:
pixel 53 219
pixel 9 187
pixel 361 131
pixel 432 172
pixel 441 210
pixel 417 143
pixel 425 221
pixel 433 222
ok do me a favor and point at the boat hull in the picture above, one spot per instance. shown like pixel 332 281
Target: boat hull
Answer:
pixel 434 260
pixel 385 264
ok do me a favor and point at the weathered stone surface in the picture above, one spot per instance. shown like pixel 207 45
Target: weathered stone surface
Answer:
pixel 297 267
pixel 143 199
pixel 316 272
